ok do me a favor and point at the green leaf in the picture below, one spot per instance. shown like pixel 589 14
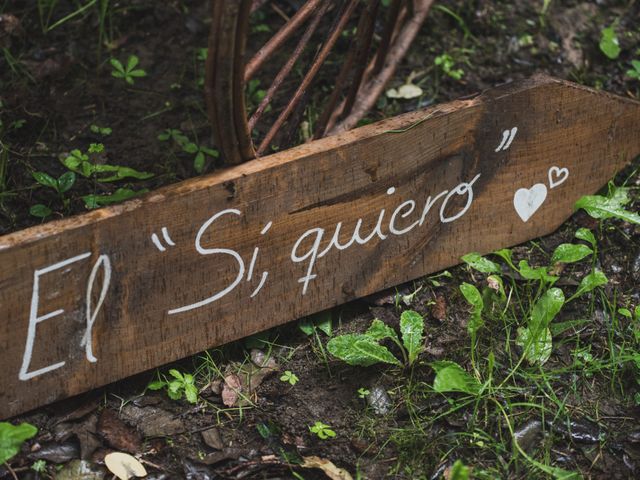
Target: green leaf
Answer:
pixel 39 210
pixel 545 309
pixel 176 374
pixel 198 162
pixel 536 347
pixel 66 181
pixel 191 393
pixel 45 180
pixel 351 349
pixel 132 63
pixel 120 195
pixel 608 207
pixel 157 385
pixel 119 68
pixel 307 326
pixel 596 278
pixel 459 471
pixel 609 44
pixel 380 330
pixel 412 330
pixel 586 235
pixel 505 254
pixel 137 73
pixel 570 253
pixel 12 437
pixel 210 151
pixel 451 377
pixel 539 273
pixel 377 353
pixel 473 296
pixel 561 327
pixel 190 147
pixel 323 321
pixel 342 347
pixel 478 262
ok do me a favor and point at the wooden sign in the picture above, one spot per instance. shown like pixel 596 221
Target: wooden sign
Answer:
pixel 92 299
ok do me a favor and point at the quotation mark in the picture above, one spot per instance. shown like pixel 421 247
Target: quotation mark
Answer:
pixel 156 240
pixel 507 138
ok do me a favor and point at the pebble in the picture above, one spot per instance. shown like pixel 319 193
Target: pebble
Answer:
pixel 379 400
pixel 528 434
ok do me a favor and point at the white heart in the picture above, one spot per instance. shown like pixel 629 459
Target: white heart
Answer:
pixel 528 200
pixel 560 173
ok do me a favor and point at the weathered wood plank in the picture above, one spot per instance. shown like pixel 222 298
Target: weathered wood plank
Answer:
pixel 95 298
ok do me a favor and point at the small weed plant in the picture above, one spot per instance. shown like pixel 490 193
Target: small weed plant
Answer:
pixel 178 385
pixel 12 437
pixel 127 72
pixel 322 430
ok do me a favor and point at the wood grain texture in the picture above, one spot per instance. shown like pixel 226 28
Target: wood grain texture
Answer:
pixel 303 194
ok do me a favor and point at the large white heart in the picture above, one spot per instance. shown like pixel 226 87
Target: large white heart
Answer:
pixel 528 200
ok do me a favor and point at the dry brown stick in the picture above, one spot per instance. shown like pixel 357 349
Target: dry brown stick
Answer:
pixel 370 93
pixel 319 60
pixel 368 73
pixel 329 107
pixel 286 69
pixel 243 132
pixel 280 37
pixel 365 35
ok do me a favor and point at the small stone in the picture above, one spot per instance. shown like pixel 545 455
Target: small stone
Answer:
pixel 379 400
pixel 213 438
pixel 56 452
pixel 80 470
pixel 528 434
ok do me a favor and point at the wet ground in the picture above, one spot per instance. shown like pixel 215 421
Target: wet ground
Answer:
pixel 579 412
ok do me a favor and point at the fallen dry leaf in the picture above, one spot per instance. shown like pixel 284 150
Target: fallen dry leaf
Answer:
pixel 117 433
pixel 327 466
pixel 124 466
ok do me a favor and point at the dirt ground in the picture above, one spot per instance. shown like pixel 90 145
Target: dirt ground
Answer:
pixel 580 413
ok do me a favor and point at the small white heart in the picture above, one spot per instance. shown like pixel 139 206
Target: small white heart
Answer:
pixel 528 200
pixel 557 176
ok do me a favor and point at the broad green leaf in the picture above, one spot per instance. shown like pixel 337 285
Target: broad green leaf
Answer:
pixel 210 151
pixel 586 235
pixel 451 377
pixel 412 330
pixel 74 160
pixel 379 331
pixel 536 347
pixel 570 252
pixel 66 181
pixel 120 195
pixel 343 347
pixel 473 296
pixel 137 73
pixel 539 273
pixel 480 263
pixel 45 180
pixel 39 210
pixel 12 437
pixel 545 309
pixel 176 374
pixel 377 353
pixel 595 278
pixel 609 44
pixel 607 207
